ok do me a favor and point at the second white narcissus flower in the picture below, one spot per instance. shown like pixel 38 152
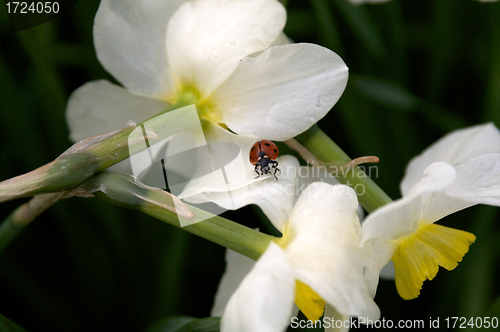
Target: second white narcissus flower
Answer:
pixel 216 54
pixel 460 170
pixel 318 262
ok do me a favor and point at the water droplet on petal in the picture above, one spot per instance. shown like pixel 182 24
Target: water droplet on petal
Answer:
pixel 318 101
pixel 312 119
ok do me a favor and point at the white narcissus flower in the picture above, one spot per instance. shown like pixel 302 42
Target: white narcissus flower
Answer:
pixel 318 262
pixel 460 170
pixel 220 53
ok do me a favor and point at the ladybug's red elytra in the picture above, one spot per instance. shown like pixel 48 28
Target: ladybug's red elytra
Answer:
pixel 262 155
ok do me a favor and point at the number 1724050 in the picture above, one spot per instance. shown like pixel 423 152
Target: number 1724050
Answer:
pixel 16 7
pixel 478 322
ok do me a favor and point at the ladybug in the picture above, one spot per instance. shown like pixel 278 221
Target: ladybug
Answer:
pixel 262 155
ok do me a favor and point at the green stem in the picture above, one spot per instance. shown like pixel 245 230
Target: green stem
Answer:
pixel 323 148
pixel 127 192
pixel 9 229
pixel 25 214
pixel 224 232
pixel 69 170
pixel 79 162
pixel 116 149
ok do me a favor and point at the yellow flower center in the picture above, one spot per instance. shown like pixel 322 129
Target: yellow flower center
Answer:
pixel 310 303
pixel 419 256
pixel 206 106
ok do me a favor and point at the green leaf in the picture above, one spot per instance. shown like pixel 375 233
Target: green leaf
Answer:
pixel 6 325
pixel 329 33
pixel 384 92
pixel 171 324
pixel 359 20
pixel 394 96
pixel 210 324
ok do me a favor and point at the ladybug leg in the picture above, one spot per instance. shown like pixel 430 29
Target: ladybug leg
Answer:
pixel 258 174
pixel 276 169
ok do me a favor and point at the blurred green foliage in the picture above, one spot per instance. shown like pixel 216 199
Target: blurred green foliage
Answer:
pixel 419 69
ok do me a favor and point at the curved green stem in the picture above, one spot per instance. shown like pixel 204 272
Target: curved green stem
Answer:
pixel 224 232
pixel 127 192
pixel 9 229
pixel 76 165
pixel 24 215
pixel 79 162
pixel 323 148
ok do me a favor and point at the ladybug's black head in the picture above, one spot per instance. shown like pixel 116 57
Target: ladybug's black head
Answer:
pixel 265 165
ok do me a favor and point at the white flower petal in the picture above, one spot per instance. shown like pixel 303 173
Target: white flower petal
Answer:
pixel 275 198
pixel 215 133
pixel 401 217
pixel 282 40
pixel 392 221
pixel 264 300
pixel 478 180
pixel 206 39
pixel 440 205
pixel 324 248
pixel 99 106
pixel 129 37
pixel 426 203
pixel 436 177
pixel 454 148
pixel 431 188
pixel 237 267
pixel 309 174
pixel 282 92
pixel 334 316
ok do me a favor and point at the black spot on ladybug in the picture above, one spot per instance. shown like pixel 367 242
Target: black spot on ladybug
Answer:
pixel 275 150
pixel 253 148
pixel 267 144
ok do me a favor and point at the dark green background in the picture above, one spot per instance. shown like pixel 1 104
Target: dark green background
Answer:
pixel 418 69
